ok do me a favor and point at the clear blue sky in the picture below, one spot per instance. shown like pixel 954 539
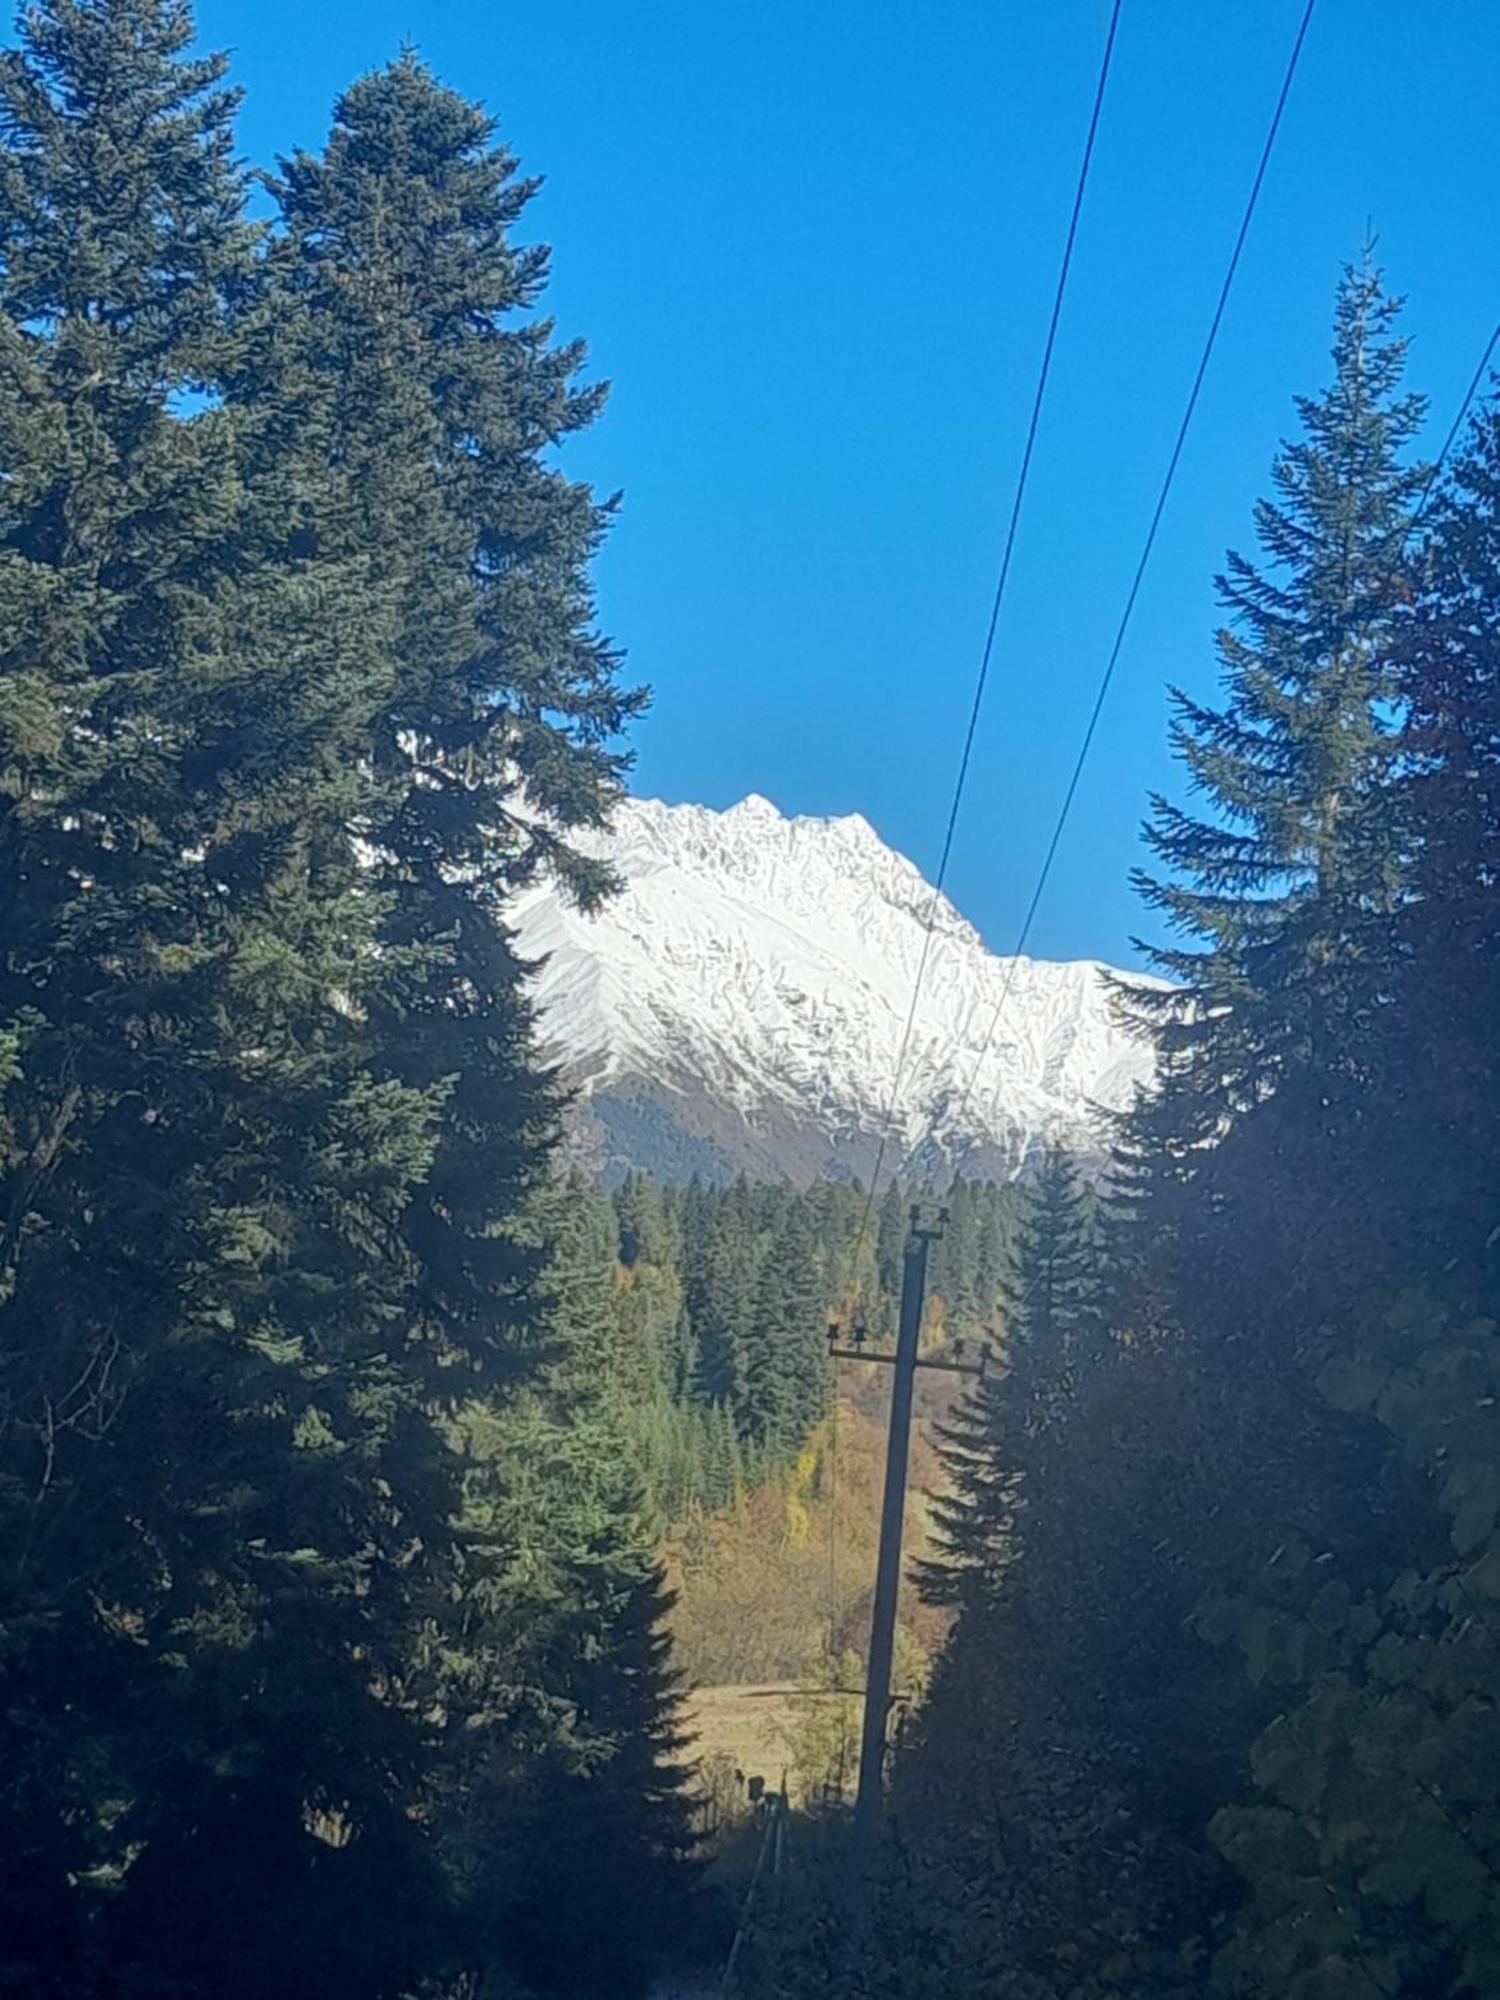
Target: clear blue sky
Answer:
pixel 813 246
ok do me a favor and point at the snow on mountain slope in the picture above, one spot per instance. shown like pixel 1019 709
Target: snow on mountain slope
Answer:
pixel 740 1005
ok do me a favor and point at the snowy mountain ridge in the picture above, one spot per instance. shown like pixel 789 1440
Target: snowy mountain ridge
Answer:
pixel 740 1005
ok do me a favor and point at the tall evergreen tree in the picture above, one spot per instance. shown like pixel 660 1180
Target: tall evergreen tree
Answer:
pixel 1194 1446
pixel 299 677
pixel 1442 995
pixel 723 1463
pixel 223 1510
pixel 721 1296
pixel 1369 1847
pixel 1247 1172
pixel 1022 1859
pixel 567 1792
pixel 1003 1427
pixel 643 1222
pixel 1247 1248
pixel 890 1240
pixel 993 1252
pixel 1280 888
pixel 785 1349
pixel 428 403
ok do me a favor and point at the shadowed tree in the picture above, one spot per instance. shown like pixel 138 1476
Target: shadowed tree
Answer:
pixel 221 1507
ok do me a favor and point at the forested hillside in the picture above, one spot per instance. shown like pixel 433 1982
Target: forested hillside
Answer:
pixel 723 1298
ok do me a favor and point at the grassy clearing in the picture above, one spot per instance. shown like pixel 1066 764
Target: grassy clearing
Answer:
pixel 751 1726
pixel 775 1586
pixel 773 1607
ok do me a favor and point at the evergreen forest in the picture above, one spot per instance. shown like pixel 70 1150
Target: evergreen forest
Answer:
pixel 381 1498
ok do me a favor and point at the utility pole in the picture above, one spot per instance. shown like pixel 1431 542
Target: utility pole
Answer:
pixel 864 1840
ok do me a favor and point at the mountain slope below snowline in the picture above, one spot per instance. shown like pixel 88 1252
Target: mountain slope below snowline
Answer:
pixel 739 1007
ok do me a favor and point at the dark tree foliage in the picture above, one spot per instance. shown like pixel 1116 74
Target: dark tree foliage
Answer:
pixel 1443 993
pixel 1246 1172
pixel 1002 1429
pixel 211 1482
pixel 566 1793
pixel 1224 1721
pixel 297 678
pixel 785 1358
pixel 425 411
pixel 721 1246
pixel 1281 890
pixel 1280 887
pixel 1016 1864
pixel 1368 1845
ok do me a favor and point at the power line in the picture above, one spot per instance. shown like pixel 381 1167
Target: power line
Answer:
pixel 1145 556
pixel 1416 521
pixel 774 1810
pixel 982 680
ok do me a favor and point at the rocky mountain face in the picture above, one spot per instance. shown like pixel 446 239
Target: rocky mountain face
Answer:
pixel 739 1006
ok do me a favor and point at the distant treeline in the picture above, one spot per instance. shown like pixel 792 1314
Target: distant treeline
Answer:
pixel 723 1302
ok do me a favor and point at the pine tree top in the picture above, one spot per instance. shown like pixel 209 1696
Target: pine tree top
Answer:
pixel 1272 880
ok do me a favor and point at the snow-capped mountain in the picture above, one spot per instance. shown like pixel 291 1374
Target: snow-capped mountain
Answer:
pixel 740 1005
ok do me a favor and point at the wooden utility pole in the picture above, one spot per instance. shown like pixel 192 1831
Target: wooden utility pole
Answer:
pixel 864 1839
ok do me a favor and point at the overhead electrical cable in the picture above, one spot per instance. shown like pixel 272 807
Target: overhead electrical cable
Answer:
pixel 1113 660
pixel 1418 516
pixel 987 653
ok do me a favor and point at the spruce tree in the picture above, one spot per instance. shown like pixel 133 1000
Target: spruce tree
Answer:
pixel 428 402
pixel 1002 1430
pixel 1250 1168
pixel 1442 994
pixel 1023 1859
pixel 223 1509
pixel 723 1464
pixel 299 679
pixel 1370 1837
pixel 1257 1544
pixel 721 1281
pixel 1194 1445
pixel 1247 1169
pixel 1279 889
pixel 1379 1798
pixel 890 1238
pixel 1055 1276
pixel 785 1347
pixel 566 1790
pixel 1243 1245
pixel 993 1251
pixel 643 1221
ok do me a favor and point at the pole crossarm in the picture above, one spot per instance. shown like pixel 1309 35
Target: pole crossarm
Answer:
pixel 890 1359
pixel 979 1367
